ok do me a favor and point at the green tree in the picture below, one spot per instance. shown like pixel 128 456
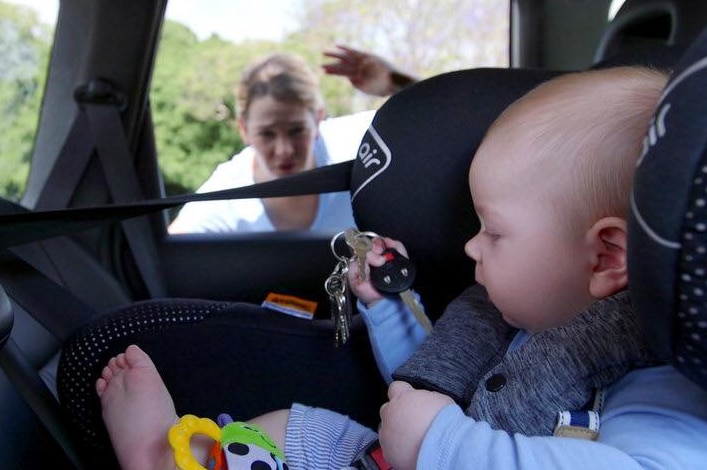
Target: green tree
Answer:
pixel 24 54
pixel 177 114
pixel 422 37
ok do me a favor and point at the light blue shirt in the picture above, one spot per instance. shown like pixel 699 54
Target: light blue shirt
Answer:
pixel 653 418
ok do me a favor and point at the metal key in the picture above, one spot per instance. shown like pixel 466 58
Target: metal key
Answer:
pixel 396 276
pixel 336 286
pixel 360 244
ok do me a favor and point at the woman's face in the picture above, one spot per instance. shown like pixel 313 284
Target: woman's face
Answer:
pixel 282 134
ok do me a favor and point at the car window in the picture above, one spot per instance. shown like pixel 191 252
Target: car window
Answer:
pixel 26 31
pixel 614 8
pixel 205 46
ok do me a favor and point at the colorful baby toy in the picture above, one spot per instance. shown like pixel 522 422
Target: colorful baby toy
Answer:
pixel 238 445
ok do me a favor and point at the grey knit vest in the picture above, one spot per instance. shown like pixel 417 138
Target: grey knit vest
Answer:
pixel 523 391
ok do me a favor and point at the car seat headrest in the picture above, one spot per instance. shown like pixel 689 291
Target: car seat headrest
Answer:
pixel 667 249
pixel 642 28
pixel 410 178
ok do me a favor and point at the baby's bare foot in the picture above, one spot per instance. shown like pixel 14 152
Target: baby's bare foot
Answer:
pixel 137 410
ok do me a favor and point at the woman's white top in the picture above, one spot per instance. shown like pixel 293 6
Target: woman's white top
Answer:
pixel 338 141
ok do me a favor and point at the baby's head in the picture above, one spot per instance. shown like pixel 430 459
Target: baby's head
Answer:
pixel 551 184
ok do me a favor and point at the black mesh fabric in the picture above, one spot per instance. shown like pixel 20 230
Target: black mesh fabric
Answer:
pixel 668 224
pixel 89 350
pixel 691 320
pixel 220 357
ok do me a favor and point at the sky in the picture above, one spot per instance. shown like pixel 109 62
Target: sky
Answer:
pixel 230 19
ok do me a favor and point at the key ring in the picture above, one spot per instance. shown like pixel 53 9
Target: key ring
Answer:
pixel 332 244
pixel 334 285
pixel 369 234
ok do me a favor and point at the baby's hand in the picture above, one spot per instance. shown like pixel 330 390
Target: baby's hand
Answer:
pixel 405 419
pixel 364 290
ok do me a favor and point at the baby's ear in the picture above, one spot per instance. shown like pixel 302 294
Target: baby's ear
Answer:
pixel 607 239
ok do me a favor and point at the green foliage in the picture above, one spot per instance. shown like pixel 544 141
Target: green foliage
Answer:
pixel 191 137
pixel 193 83
pixel 24 50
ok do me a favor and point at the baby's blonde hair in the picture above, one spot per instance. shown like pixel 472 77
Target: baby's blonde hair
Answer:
pixel 586 131
pixel 286 77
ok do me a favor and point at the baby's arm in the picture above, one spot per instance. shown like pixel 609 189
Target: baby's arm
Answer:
pixel 405 419
pixel 393 330
pixel 653 419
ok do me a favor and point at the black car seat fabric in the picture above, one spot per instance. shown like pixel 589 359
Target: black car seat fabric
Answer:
pixel 410 178
pixel 218 357
pixel 667 250
pixel 245 360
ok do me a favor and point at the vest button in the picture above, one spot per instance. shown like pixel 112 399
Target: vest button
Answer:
pixel 495 383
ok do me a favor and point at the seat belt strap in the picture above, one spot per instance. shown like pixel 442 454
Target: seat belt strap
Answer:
pixel 98 126
pixel 30 226
pixel 62 313
pixel 39 398
pixel 68 168
pixel 117 162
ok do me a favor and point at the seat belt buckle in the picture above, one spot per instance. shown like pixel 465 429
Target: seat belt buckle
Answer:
pixel 371 458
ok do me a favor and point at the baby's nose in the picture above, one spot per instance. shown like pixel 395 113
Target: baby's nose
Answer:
pixel 472 250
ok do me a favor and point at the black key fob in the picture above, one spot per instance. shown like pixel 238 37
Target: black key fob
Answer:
pixel 396 275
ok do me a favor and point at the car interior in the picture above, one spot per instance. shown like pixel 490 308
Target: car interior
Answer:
pixel 87 266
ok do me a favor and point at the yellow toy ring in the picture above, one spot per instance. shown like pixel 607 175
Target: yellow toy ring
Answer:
pixel 180 435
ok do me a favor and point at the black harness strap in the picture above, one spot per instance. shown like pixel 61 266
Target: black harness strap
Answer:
pixel 54 307
pixel 39 398
pixel 30 226
pixel 60 313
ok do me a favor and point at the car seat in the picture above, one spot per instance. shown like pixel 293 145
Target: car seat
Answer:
pixel 409 182
pixel 667 249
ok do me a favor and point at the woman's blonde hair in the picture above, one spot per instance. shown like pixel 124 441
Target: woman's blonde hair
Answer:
pixel 285 77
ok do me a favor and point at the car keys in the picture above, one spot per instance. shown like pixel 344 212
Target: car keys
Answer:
pixel 396 276
pixel 360 244
pixel 336 286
